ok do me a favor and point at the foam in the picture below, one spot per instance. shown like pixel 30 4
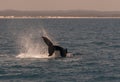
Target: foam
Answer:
pixel 26 55
pixel 32 48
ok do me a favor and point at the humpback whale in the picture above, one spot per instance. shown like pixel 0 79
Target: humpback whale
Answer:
pixel 52 48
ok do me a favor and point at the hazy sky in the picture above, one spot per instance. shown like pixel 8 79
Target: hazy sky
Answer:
pixel 103 5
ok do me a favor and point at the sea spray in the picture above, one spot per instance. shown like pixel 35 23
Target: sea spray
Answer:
pixel 32 45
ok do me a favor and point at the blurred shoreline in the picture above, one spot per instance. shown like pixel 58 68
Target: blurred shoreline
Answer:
pixel 49 17
pixel 59 14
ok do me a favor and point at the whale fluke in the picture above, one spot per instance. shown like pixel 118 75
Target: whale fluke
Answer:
pixel 50 45
pixel 47 41
pixel 52 48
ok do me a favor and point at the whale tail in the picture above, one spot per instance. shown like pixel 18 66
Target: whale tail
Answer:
pixel 52 48
pixel 50 45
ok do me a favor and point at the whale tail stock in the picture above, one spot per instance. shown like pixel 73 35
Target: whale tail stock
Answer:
pixel 52 48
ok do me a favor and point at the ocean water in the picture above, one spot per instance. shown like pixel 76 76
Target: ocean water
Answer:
pixel 95 44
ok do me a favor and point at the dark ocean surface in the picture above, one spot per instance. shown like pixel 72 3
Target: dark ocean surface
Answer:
pixel 95 44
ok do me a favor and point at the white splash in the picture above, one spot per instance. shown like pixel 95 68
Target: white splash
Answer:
pixel 69 55
pixel 32 48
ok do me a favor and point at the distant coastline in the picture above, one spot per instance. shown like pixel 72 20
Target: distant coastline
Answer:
pixel 59 14
pixel 49 17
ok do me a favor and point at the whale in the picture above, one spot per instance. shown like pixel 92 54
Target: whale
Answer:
pixel 54 48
